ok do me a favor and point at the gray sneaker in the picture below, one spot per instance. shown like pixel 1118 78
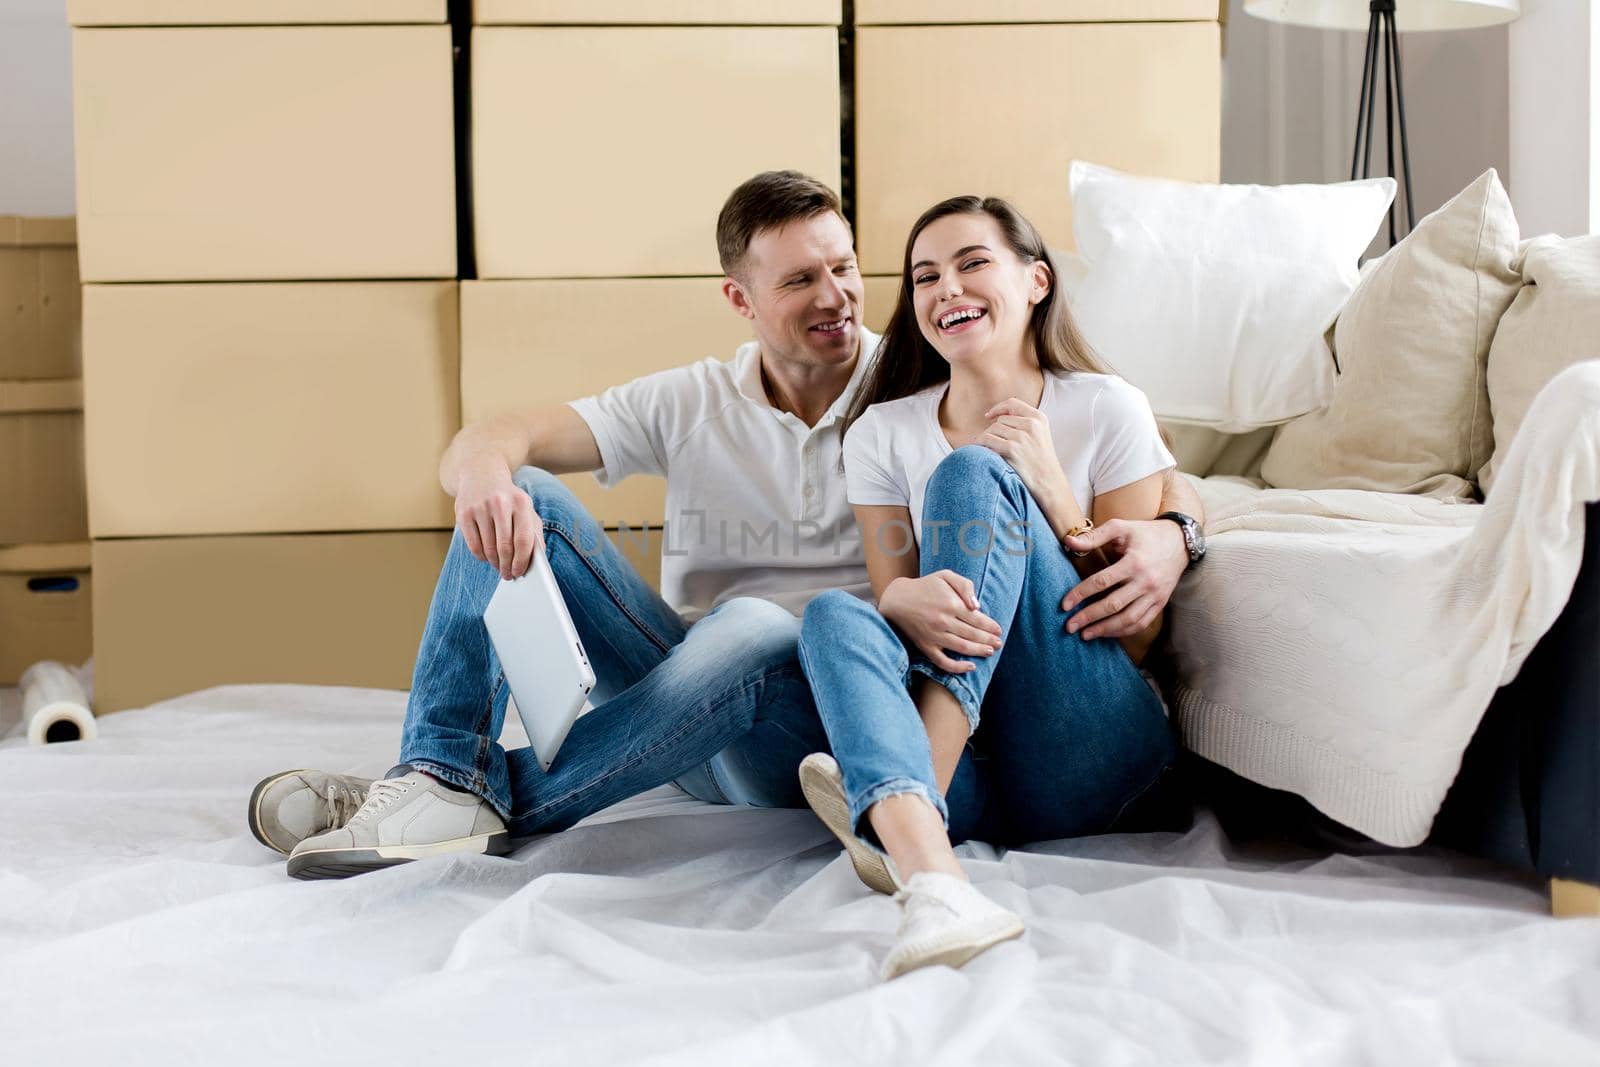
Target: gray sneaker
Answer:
pixel 403 819
pixel 287 808
pixel 823 785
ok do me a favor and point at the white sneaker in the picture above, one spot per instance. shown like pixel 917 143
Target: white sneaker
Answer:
pixel 289 807
pixel 403 819
pixel 945 920
pixel 823 784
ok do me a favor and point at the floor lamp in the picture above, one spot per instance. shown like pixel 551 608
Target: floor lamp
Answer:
pixel 1384 20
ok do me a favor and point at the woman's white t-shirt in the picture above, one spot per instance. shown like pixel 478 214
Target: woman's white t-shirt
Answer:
pixel 1102 426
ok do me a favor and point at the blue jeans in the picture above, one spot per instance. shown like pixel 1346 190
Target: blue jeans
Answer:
pixel 1067 733
pixel 720 706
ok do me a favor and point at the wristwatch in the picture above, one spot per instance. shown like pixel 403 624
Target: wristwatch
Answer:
pixel 1194 539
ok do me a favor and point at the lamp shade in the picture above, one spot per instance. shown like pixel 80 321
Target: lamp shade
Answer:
pixel 1408 14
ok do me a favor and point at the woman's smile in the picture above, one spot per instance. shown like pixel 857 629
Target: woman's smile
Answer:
pixel 959 318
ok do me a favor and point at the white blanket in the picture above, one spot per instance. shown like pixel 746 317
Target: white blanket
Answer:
pixel 141 924
pixel 1344 645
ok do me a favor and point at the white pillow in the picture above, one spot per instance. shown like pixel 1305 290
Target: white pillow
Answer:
pixel 1214 299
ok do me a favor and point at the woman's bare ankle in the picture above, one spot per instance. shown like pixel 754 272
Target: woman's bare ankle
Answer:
pixel 914 836
pixel 937 864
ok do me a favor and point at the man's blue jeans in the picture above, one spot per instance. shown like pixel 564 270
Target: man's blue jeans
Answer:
pixel 721 706
pixel 1067 733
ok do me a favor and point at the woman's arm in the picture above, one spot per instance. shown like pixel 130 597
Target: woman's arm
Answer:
pixel 1178 495
pixel 1135 501
pixel 890 546
pixel 1020 435
pixel 938 612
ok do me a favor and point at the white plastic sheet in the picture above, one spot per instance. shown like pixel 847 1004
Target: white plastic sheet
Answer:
pixel 140 923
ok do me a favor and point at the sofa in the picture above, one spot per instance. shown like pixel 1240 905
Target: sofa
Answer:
pixel 1396 630
pixel 1528 793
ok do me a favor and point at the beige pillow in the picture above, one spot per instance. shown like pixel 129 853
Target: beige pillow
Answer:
pixel 1553 323
pixel 1410 408
pixel 1204 450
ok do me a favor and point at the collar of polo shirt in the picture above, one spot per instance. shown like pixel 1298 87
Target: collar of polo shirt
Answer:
pixel 753 386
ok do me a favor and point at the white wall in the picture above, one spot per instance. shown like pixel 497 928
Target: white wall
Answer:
pixel 1290 94
pixel 1555 110
pixel 35 108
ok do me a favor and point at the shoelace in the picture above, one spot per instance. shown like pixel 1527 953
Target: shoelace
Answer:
pixel 343 802
pixel 382 794
pixel 918 902
pixel 926 897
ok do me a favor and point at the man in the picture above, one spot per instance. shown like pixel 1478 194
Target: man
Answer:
pixel 700 685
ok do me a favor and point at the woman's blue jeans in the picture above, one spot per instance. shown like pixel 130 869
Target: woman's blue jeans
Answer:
pixel 1066 733
pixel 720 706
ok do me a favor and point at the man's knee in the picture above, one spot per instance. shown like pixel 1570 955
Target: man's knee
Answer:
pixel 755 626
pixel 552 500
pixel 538 482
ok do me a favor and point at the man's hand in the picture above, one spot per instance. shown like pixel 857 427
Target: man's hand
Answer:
pixel 1150 558
pixel 496 517
pixel 939 612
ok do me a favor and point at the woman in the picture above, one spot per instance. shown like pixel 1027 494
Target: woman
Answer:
pixel 986 432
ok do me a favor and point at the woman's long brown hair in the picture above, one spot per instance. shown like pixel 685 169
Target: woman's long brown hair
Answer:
pixel 906 363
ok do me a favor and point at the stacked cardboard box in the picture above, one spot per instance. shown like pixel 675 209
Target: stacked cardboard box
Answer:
pixel 276 351
pixel 551 341
pixel 45 598
pixel 281 150
pixel 1020 88
pixel 44 551
pixel 262 437
pixel 595 219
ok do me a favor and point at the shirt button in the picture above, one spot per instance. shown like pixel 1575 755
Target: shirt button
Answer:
pixel 810 491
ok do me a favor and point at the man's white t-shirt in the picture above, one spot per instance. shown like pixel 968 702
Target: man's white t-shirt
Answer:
pixel 1103 429
pixel 755 502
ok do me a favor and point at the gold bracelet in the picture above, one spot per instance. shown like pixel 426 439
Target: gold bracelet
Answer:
pixel 1078 531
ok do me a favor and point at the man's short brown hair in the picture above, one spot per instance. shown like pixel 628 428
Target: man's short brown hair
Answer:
pixel 771 199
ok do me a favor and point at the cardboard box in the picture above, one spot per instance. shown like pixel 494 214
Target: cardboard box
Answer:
pixel 269 408
pixel 250 12
pixel 1142 97
pixel 39 305
pixel 948 12
pixel 625 177
pixel 43 497
pixel 172 615
pixel 882 291
pixel 44 606
pixel 532 343
pixel 282 152
pixel 658 12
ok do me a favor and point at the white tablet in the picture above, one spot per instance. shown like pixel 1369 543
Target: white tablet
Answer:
pixel 543 659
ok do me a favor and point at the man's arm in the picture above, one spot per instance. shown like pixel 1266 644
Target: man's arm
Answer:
pixel 1150 558
pixel 554 437
pixel 1179 495
pixel 496 518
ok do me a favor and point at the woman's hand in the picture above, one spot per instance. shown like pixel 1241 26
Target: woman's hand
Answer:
pixel 939 613
pixel 1021 435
